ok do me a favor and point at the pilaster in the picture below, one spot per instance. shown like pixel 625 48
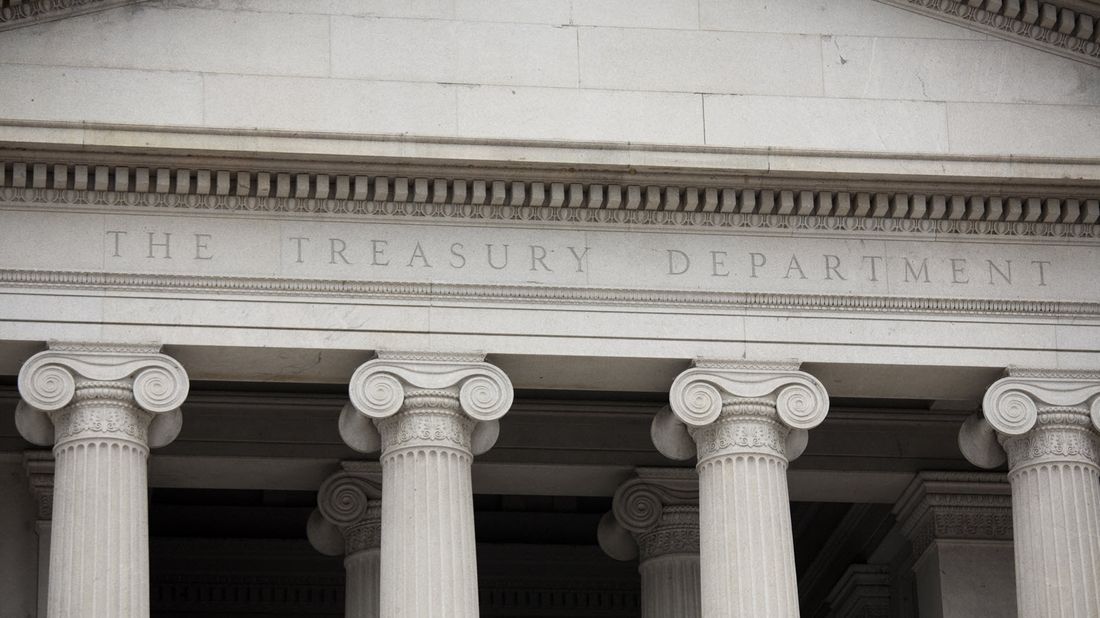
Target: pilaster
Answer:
pixel 746 421
pixel 429 414
pixel 960 527
pixel 1046 423
pixel 348 522
pixel 102 407
pixel 655 518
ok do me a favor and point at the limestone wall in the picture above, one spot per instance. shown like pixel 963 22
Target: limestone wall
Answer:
pixel 852 75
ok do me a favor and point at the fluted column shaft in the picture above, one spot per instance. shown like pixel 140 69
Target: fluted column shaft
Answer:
pixel 430 414
pixel 363 591
pixel 669 565
pixel 1047 424
pixel 1056 515
pixel 428 515
pixel 746 422
pixel 747 548
pixel 99 557
pixel 106 410
pixel 670 586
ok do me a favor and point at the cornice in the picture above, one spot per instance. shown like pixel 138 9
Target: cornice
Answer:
pixel 1068 28
pixel 955 505
pixel 21 13
pixel 156 146
pixel 757 206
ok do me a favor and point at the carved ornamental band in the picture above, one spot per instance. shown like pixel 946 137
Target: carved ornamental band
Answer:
pixel 60 388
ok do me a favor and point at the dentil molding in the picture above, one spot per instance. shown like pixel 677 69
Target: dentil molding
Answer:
pixel 889 208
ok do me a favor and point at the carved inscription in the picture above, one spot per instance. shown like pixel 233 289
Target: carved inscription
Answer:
pixel 620 258
pixel 872 268
pixel 339 255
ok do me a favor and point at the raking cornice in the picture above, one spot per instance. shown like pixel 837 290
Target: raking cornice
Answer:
pixel 21 13
pixel 1069 28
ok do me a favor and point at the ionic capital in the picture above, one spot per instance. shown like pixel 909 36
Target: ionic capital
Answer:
pixel 718 404
pixel 348 518
pixel 458 395
pixel 134 377
pixel 653 514
pixel 1036 415
pixel 379 386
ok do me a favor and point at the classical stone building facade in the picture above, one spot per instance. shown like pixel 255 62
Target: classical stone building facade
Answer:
pixel 517 308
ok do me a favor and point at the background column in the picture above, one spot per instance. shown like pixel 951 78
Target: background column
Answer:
pixel 1048 424
pixel 747 421
pixel 348 522
pixel 39 467
pixel 103 407
pixel 430 414
pixel 655 518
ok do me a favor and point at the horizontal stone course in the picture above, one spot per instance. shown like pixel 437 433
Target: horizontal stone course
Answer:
pixel 454 52
pixel 744 63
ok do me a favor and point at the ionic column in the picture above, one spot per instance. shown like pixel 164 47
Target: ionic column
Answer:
pixel 429 414
pixel 103 408
pixel 745 422
pixel 1048 425
pixel 348 522
pixel 655 518
pixel 960 528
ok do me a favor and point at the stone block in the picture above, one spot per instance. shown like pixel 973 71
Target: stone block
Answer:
pixel 454 52
pixel 100 95
pixel 994 71
pixel 637 13
pixel 310 104
pixel 829 124
pixel 693 62
pixel 555 12
pixel 1024 130
pixel 583 115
